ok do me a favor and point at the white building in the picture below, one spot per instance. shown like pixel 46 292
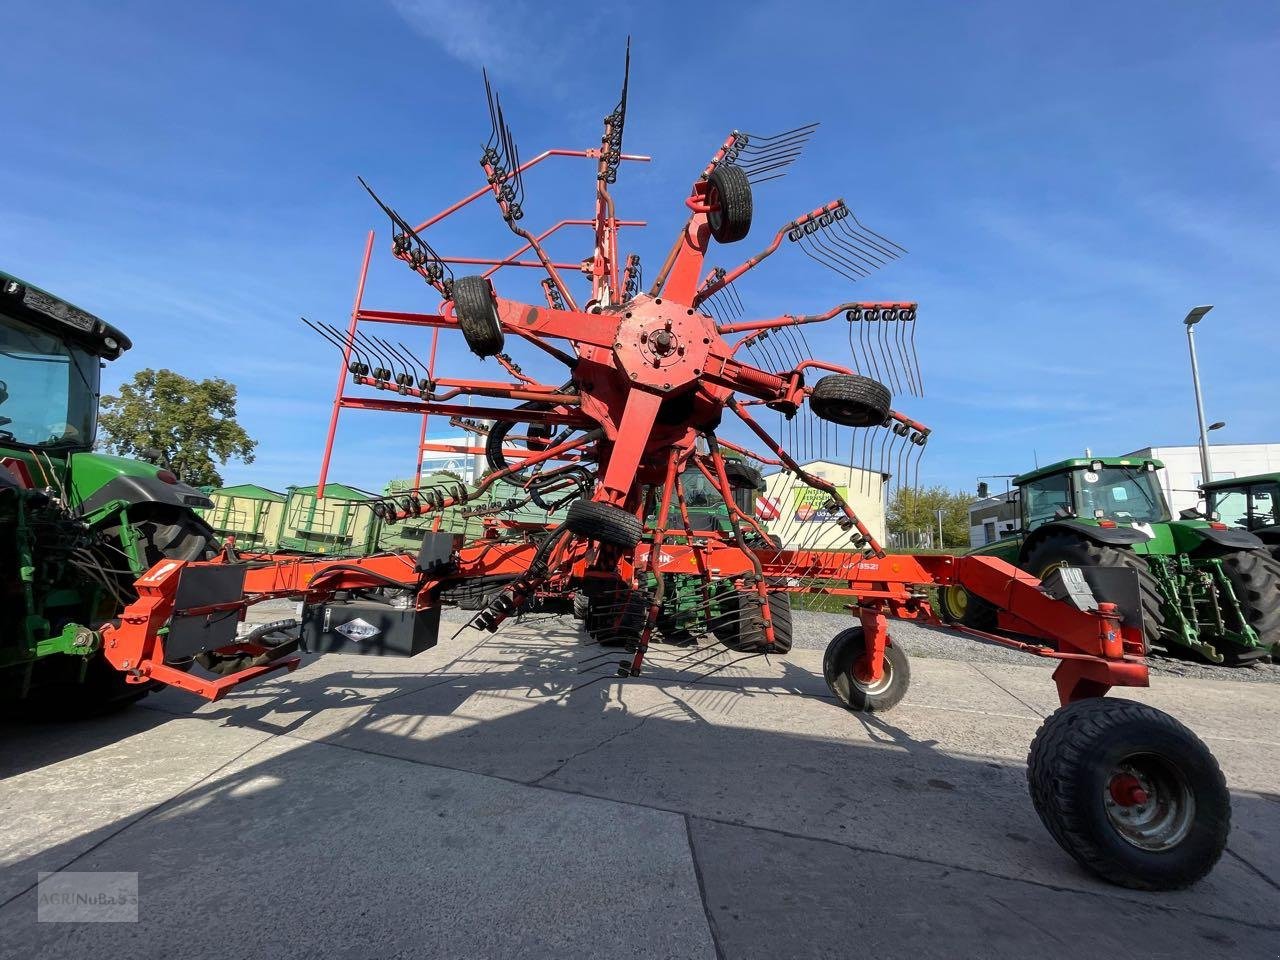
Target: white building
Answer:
pixel 1180 477
pixel 802 521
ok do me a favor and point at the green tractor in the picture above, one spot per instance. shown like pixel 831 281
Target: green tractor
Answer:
pixel 1203 587
pixel 77 528
pixel 1249 502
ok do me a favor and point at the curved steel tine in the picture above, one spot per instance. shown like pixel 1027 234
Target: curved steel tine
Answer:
pixel 323 332
pixel 887 352
pixel 374 351
pixel 396 360
pixel 914 355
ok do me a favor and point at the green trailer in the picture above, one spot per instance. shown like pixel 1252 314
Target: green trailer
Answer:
pixel 340 523
pixel 1203 587
pixel 76 527
pixel 248 512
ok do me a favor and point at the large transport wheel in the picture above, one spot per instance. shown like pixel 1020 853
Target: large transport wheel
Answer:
pixel 477 316
pixel 729 191
pixel 1062 549
pixel 958 605
pixel 843 652
pixel 1129 792
pixel 1255 580
pixel 851 400
pixel 739 621
pixel 604 522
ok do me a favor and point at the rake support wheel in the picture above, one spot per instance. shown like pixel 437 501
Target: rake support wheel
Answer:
pixel 838 663
pixel 730 192
pixel 477 316
pixel 604 523
pixel 851 400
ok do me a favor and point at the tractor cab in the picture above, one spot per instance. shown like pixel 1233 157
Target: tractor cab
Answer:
pixel 1110 491
pixel 50 356
pixel 1249 502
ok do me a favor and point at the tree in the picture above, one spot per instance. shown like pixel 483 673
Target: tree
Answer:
pixel 914 510
pixel 192 423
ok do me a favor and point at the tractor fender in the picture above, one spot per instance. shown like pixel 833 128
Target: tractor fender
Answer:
pixel 146 489
pixel 1232 538
pixel 1109 536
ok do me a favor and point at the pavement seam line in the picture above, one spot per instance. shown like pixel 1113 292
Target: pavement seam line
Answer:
pixel 142 816
pixel 712 927
pixel 1119 894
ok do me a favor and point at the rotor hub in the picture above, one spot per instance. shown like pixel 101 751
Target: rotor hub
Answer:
pixel 662 345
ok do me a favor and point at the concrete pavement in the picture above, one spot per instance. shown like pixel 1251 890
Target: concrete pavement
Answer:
pixel 506 795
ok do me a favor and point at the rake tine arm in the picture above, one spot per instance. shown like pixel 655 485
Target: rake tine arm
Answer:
pixel 711 285
pixel 747 452
pixel 791 320
pixel 567 324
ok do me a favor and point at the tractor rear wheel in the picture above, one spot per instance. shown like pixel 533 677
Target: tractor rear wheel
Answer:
pixel 605 523
pixel 477 316
pixel 729 192
pixel 1255 580
pixel 851 400
pixel 958 605
pixel 861 696
pixel 1130 793
pixel 1061 549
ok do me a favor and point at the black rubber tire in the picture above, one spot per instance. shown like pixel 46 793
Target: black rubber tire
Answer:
pixel 1069 770
pixel 617 619
pixel 58 694
pixel 845 648
pixel 168 532
pixel 1255 580
pixel 731 190
pixel 605 523
pixel 977 614
pixel 581 605
pixel 851 400
pixel 477 316
pixel 1077 551
pixel 740 623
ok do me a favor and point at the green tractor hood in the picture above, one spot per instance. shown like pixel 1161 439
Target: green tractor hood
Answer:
pixel 97 479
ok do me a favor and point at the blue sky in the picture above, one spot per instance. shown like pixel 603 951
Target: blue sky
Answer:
pixel 1069 179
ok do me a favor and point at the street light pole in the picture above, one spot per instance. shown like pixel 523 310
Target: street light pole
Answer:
pixel 1195 315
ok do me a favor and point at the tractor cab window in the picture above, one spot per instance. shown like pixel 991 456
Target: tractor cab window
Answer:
pixel 1253 507
pixel 1232 507
pixel 48 388
pixel 1264 501
pixel 1043 498
pixel 1123 494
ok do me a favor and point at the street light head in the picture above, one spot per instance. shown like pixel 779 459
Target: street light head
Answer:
pixel 1217 425
pixel 1196 314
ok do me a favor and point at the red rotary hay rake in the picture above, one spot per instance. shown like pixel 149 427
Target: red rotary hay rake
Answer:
pixel 650 377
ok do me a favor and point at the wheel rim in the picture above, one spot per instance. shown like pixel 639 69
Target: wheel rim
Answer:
pixel 879 686
pixel 716 216
pixel 1056 565
pixel 1148 802
pixel 957 600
